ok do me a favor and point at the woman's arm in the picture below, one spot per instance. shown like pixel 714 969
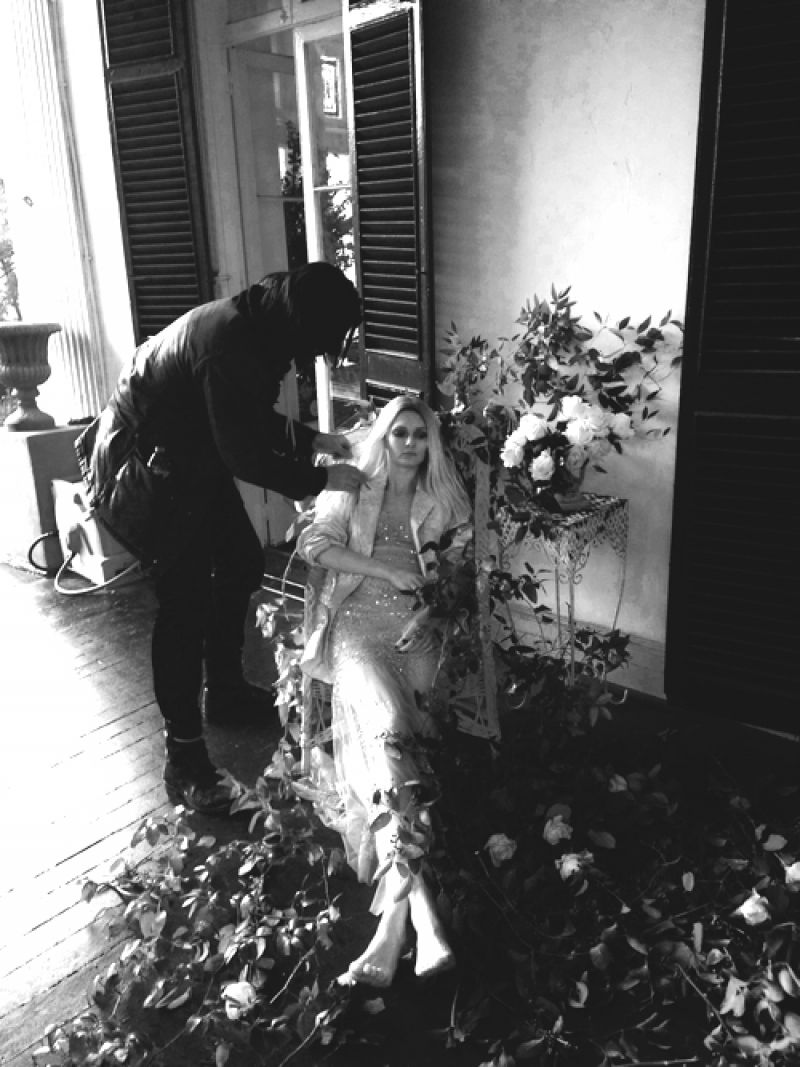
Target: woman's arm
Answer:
pixel 339 558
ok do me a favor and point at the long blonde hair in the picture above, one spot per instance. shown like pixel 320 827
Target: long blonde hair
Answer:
pixel 437 475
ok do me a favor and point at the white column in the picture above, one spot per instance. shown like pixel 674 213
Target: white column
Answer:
pixel 46 209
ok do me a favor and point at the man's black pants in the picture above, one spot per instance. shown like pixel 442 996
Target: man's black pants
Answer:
pixel 203 599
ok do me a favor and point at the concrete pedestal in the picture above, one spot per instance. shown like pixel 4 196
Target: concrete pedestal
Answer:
pixel 29 462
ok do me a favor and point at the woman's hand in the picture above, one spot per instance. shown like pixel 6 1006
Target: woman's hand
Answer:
pixel 405 581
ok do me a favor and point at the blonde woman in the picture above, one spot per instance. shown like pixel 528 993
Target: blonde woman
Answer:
pixel 372 545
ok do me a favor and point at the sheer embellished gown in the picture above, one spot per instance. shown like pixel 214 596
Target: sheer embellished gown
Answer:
pixel 377 717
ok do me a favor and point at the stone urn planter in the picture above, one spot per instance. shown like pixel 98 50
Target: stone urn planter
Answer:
pixel 23 368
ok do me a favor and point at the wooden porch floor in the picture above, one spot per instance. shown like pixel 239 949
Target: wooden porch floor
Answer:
pixel 81 768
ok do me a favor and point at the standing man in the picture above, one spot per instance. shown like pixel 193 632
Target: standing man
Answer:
pixel 193 411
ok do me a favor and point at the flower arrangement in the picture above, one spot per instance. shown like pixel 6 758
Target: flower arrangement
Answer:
pixel 553 453
pixel 564 396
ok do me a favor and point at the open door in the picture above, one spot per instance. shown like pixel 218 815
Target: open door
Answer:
pixel 292 165
pixel 264 105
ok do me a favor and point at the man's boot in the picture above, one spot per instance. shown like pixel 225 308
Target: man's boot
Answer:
pixel 192 779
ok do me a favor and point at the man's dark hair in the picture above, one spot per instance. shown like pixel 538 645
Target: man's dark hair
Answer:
pixel 321 304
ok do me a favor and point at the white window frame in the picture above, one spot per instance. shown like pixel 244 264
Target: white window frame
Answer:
pixel 304 35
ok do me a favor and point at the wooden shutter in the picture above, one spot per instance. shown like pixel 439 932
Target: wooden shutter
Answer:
pixel 390 196
pixel 733 632
pixel 150 102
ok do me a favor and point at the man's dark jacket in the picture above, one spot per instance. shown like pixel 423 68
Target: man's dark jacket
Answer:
pixel 194 410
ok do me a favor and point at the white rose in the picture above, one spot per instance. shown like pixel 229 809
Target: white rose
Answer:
pixel 755 909
pixel 572 407
pixel 579 432
pixel 556 829
pixel 599 419
pixel 621 425
pixel 792 873
pixel 607 344
pixel 599 447
pixel 512 453
pixel 500 848
pixel 533 426
pixel 542 467
pixel 572 863
pixel 240 998
pixel 575 459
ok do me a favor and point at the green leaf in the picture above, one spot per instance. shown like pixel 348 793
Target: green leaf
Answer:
pixel 529 1050
pixel 601 957
pixel 382 820
pixel 179 1001
pixel 636 945
pixel 602 839
pixel 774 843
pixel 89 890
pixel 44 1056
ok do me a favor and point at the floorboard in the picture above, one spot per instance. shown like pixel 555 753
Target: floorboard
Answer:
pixel 83 758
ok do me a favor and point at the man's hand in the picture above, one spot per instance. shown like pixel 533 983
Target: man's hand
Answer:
pixel 343 478
pixel 335 444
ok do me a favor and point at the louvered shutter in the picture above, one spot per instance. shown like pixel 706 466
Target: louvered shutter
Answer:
pixel 390 196
pixel 151 110
pixel 733 630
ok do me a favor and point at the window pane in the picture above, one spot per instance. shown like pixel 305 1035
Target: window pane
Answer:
pixel 333 202
pixel 328 107
pixel 292 190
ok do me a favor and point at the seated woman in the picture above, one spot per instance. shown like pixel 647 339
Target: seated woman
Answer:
pixel 371 547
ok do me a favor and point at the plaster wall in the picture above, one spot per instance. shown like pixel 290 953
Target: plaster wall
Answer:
pixel 563 137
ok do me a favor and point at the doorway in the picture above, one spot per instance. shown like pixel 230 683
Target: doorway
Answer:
pixel 281 179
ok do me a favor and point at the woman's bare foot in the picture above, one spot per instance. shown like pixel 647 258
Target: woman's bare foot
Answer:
pixel 444 961
pixel 434 955
pixel 376 966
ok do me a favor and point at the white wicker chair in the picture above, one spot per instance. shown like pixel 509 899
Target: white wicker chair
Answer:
pixel 315 728
pixel 475 703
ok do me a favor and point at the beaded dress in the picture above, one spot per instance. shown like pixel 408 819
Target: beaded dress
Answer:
pixel 375 714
